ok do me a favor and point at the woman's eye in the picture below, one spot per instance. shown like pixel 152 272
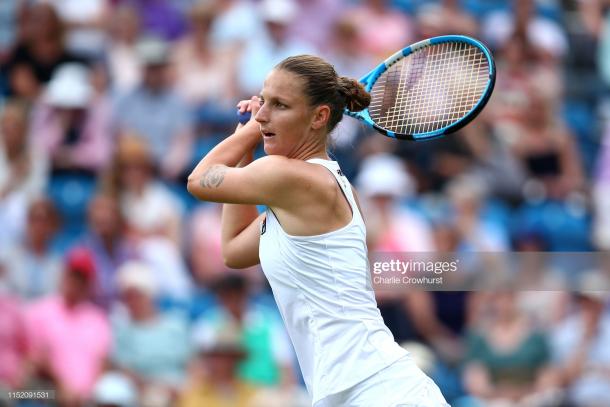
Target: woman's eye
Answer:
pixel 280 105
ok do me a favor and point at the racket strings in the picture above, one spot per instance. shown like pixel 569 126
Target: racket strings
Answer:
pixel 430 89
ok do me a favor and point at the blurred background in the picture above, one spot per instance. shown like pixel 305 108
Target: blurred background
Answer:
pixel 113 290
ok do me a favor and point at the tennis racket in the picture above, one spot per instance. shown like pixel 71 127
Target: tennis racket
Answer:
pixel 429 89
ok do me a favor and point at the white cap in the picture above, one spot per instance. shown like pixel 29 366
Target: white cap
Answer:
pixel 116 389
pixel 278 11
pixel 137 275
pixel 153 51
pixel 384 174
pixel 69 87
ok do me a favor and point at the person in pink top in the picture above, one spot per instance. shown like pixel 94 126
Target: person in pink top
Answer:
pixel 68 335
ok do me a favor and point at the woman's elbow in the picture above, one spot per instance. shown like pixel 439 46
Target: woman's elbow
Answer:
pixel 232 262
pixel 192 186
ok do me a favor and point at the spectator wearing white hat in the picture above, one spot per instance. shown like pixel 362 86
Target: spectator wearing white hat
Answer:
pixel 150 346
pixel 218 384
pixel 72 123
pixel 384 182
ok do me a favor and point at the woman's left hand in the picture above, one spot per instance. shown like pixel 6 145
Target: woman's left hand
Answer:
pixel 252 106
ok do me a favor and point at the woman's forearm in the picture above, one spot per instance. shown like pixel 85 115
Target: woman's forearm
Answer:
pixel 229 152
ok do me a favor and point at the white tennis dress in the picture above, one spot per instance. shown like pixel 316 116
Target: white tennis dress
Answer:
pixel 323 290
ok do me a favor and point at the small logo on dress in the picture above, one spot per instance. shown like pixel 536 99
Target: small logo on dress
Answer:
pixel 340 173
pixel 264 226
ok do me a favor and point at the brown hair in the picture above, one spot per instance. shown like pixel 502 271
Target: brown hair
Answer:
pixel 323 86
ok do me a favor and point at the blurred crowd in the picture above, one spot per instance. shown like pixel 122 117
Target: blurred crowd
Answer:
pixel 113 289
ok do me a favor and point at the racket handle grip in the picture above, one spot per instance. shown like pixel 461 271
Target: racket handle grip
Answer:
pixel 244 117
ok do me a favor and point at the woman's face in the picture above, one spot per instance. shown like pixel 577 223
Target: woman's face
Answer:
pixel 285 116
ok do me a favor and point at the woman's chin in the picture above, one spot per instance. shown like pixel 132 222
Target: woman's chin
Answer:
pixel 270 149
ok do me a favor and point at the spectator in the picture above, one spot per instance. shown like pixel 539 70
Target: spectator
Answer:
pixel 545 147
pixel 40 51
pixel 22 164
pixel 269 357
pixel 72 124
pixel 220 385
pixel 153 112
pixel 151 347
pixel 476 232
pixel 23 171
pixel 348 58
pixel 109 244
pixel 147 205
pixel 506 359
pixel 33 267
pixel 70 337
pixel 521 67
pixel 580 348
pixel 383 181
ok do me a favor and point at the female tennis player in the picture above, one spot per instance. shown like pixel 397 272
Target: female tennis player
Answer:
pixel 311 239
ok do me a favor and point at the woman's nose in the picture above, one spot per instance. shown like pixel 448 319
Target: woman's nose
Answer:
pixel 262 115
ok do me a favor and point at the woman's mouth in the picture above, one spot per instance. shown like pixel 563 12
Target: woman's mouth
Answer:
pixel 268 134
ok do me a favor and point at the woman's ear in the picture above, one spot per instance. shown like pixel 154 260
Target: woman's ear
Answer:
pixel 320 117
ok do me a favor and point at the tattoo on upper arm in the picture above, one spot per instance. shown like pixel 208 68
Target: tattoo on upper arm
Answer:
pixel 213 176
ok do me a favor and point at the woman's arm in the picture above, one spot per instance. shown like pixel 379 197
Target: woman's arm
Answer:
pixel 262 182
pixel 240 235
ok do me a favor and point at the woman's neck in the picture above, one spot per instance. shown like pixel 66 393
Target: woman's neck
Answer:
pixel 312 148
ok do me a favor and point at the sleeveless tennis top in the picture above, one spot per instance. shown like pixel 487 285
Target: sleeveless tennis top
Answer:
pixel 324 293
